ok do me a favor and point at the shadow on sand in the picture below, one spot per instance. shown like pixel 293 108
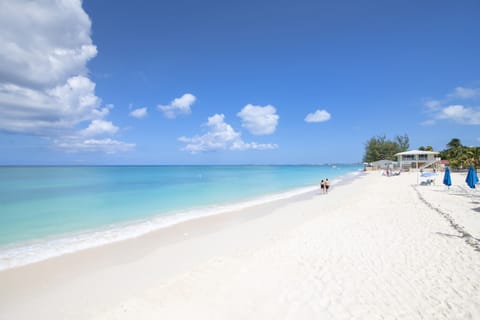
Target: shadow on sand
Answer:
pixel 463 234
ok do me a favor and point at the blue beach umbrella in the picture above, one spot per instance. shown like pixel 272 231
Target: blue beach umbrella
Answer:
pixel 472 178
pixel 447 180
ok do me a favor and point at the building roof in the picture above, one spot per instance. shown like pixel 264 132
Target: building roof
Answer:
pixel 415 152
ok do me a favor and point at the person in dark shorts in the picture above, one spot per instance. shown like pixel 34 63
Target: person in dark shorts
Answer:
pixel 322 186
pixel 327 185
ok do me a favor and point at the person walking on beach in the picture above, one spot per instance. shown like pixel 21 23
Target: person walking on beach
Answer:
pixel 327 185
pixel 322 186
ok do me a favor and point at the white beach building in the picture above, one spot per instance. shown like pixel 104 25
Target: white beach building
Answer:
pixel 417 159
pixel 383 164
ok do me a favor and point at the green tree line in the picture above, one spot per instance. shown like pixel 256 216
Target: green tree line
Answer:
pixel 380 148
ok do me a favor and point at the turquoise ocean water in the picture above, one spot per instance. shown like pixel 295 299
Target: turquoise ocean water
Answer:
pixel 48 211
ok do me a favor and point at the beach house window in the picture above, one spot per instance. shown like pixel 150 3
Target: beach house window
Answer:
pixel 408 157
pixel 422 157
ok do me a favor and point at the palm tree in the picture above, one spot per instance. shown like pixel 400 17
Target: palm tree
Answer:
pixel 460 155
pixel 476 156
pixel 466 156
pixel 454 143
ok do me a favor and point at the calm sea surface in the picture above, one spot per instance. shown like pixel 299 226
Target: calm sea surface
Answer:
pixel 50 207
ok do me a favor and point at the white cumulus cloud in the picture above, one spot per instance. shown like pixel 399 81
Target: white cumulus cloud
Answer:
pixel 318 116
pixel 93 139
pixel 460 114
pixel 220 136
pixel 75 144
pixel 100 127
pixel 26 110
pixel 179 106
pixel 465 93
pixel 459 106
pixel 43 42
pixel 44 84
pixel 259 120
pixel 138 113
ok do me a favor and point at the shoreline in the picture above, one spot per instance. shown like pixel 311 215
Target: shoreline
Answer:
pixel 370 248
pixel 31 280
pixel 20 254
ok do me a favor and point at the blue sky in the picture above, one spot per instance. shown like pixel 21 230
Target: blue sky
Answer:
pixel 246 82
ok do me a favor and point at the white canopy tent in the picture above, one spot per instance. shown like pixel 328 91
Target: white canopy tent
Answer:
pixel 383 164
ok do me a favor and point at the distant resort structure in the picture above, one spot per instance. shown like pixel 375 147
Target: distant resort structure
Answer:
pixel 417 159
pixel 409 160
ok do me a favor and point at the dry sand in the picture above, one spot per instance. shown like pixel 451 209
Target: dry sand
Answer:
pixel 376 248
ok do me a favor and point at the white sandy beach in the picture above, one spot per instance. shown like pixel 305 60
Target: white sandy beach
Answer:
pixel 376 248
